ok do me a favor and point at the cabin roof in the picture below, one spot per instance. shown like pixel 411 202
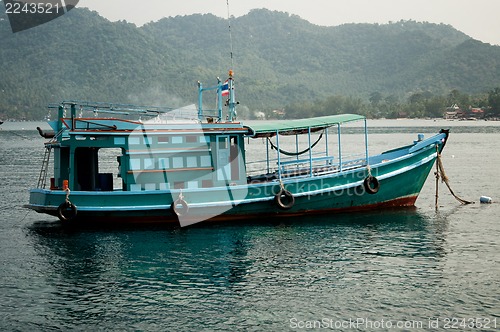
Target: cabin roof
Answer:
pixel 299 126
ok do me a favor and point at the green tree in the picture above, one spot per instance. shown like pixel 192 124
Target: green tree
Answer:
pixel 494 101
pixel 375 98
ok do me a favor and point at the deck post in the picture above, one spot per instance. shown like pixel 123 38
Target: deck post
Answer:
pixel 340 148
pixel 297 147
pixel 200 101
pixel 219 99
pixel 267 154
pixel 310 152
pixel 278 152
pixel 60 115
pixel 73 114
pixel 366 143
pixel 326 146
pixel 232 102
pixel 71 170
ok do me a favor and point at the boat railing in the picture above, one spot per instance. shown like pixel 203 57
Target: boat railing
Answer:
pixel 211 115
pixel 260 169
pixel 93 115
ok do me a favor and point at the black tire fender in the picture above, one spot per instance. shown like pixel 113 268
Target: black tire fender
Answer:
pixel 371 185
pixel 284 199
pixel 63 208
pixel 179 207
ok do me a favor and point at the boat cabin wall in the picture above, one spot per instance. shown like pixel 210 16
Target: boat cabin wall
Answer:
pixel 61 166
pixel 183 161
pixel 152 161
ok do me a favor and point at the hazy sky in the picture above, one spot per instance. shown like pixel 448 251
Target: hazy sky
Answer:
pixel 476 18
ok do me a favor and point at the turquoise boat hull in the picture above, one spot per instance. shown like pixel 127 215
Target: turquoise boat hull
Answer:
pixel 401 174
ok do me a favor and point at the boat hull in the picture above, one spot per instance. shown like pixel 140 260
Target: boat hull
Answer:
pixel 400 177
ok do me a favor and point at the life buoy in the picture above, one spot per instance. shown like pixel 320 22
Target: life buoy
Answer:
pixel 284 199
pixel 371 184
pixel 64 208
pixel 180 207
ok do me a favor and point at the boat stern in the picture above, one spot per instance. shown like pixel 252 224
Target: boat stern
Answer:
pixel 44 201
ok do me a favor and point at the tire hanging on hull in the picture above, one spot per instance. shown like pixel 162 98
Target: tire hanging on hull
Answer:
pixel 63 208
pixel 371 184
pixel 179 207
pixel 284 199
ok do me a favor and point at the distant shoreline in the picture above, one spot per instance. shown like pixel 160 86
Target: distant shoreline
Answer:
pixel 372 123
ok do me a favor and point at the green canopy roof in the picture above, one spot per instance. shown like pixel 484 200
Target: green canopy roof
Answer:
pixel 299 126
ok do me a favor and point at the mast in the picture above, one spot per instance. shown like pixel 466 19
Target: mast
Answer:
pixel 232 102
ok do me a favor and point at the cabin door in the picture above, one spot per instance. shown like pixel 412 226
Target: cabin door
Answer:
pixel 223 154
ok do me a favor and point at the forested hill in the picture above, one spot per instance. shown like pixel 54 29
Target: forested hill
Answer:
pixel 278 59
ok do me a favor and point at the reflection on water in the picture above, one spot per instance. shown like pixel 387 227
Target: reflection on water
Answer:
pixel 242 270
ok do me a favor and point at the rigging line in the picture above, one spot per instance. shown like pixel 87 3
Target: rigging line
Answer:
pixel 230 34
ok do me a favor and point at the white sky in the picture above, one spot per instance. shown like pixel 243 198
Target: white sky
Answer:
pixel 476 18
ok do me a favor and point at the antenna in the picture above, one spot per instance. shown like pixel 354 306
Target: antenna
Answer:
pixel 230 34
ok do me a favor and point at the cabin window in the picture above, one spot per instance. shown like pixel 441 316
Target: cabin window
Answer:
pixel 163 163
pixel 135 164
pixel 150 186
pixel 207 183
pixel 205 161
pixel 149 163
pixel 179 185
pixel 119 140
pixel 163 186
pixel 223 142
pixel 135 187
pixel 134 140
pixel 177 162
pixel 192 185
pixel 163 139
pixel 177 140
pixel 191 161
pixel 191 139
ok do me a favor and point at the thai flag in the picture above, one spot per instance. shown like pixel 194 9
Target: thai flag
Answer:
pixel 225 88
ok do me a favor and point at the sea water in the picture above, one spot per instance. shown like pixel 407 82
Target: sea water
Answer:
pixel 410 269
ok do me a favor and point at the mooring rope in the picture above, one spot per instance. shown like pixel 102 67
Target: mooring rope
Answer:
pixel 440 173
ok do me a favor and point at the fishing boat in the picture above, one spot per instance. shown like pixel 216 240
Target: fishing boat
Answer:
pixel 209 166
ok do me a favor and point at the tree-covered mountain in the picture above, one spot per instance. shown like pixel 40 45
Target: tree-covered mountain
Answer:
pixel 279 59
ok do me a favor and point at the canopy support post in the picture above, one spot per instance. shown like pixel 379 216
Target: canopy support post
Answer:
pixel 310 152
pixel 297 146
pixel 267 155
pixel 340 148
pixel 278 152
pixel 366 144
